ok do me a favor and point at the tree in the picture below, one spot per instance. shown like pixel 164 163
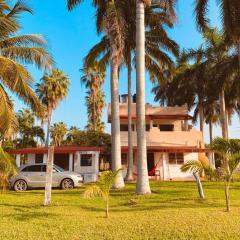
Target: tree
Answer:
pixel 198 168
pixel 58 132
pixel 112 23
pixel 229 152
pixel 15 51
pixel 52 89
pixel 229 10
pixel 7 169
pixel 158 44
pixel 29 133
pixel 93 77
pixel 102 188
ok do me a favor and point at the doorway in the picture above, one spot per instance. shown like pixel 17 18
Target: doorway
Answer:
pixel 150 162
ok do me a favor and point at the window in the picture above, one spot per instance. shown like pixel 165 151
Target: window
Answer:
pixel 166 127
pixel 123 127
pixel 147 127
pixel 33 168
pixel 39 158
pixel 176 158
pixel 86 160
pixel 155 125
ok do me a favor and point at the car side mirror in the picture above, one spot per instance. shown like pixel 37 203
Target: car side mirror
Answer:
pixel 54 170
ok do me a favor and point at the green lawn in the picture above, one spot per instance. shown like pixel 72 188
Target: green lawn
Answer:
pixel 171 212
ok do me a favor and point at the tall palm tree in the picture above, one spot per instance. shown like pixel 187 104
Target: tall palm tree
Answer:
pixel 15 51
pixel 52 89
pixel 93 78
pixel 157 59
pixel 58 132
pixel 112 23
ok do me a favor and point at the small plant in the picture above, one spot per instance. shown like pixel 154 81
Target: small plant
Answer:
pixel 198 168
pixel 102 188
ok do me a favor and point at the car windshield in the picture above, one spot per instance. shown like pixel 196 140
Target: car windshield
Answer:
pixel 59 169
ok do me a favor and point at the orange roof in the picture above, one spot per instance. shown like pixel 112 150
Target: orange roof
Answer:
pixel 152 112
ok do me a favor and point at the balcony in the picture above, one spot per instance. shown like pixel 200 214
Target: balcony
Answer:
pixel 155 137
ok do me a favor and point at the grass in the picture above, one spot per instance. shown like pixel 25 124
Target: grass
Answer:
pixel 173 211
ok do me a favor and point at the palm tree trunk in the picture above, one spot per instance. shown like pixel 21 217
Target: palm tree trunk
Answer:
pixel 199 185
pixel 48 184
pixel 115 129
pixel 223 114
pixel 143 186
pixel 94 113
pixel 227 123
pixel 48 130
pixel 210 131
pixel 201 118
pixel 129 176
pixel 107 207
pixel 227 196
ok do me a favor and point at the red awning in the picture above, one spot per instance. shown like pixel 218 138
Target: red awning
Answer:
pixel 63 149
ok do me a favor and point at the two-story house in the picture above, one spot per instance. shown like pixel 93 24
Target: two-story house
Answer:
pixel 171 141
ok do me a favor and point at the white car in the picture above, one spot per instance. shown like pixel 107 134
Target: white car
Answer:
pixel 34 176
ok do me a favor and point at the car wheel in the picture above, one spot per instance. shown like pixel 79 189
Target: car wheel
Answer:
pixel 20 185
pixel 67 184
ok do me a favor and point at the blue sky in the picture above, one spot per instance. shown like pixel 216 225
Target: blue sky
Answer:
pixel 70 36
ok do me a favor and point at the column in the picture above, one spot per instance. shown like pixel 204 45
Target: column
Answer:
pixel 165 166
pixel 70 167
pixel 18 160
pixel 45 158
pixel 77 162
pixel 96 163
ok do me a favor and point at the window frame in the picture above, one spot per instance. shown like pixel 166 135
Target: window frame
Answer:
pixel 177 160
pixel 91 159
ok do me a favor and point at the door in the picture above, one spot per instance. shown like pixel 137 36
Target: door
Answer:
pixel 34 175
pixel 150 164
pixel 62 160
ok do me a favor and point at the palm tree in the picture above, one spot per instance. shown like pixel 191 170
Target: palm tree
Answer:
pixel 29 133
pixel 198 168
pixel 112 23
pixel 229 11
pixel 52 89
pixel 58 132
pixel 229 152
pixel 15 51
pixel 157 41
pixel 93 78
pixel 102 188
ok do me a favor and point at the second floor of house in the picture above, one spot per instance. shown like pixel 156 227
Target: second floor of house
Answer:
pixel 167 126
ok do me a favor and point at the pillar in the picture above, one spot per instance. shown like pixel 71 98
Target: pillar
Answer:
pixel 70 167
pixel 18 160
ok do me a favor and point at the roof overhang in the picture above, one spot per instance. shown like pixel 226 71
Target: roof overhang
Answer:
pixel 154 117
pixel 184 149
pixel 63 149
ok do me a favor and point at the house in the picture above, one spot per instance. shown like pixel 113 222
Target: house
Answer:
pixel 84 160
pixel 171 141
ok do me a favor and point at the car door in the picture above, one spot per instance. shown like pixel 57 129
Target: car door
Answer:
pixel 33 176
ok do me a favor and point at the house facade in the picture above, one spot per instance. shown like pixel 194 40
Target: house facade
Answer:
pixel 85 160
pixel 171 140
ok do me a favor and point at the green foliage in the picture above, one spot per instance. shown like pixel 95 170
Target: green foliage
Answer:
pixel 58 133
pixel 93 77
pixel 102 187
pixel 7 169
pixel 15 52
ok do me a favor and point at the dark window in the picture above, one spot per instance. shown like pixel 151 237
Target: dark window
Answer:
pixel 124 158
pixel 123 127
pixel 39 158
pixel 33 168
pixel 86 160
pixel 176 158
pixel 166 127
pixel 155 125
pixel 44 168
pixel 147 127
